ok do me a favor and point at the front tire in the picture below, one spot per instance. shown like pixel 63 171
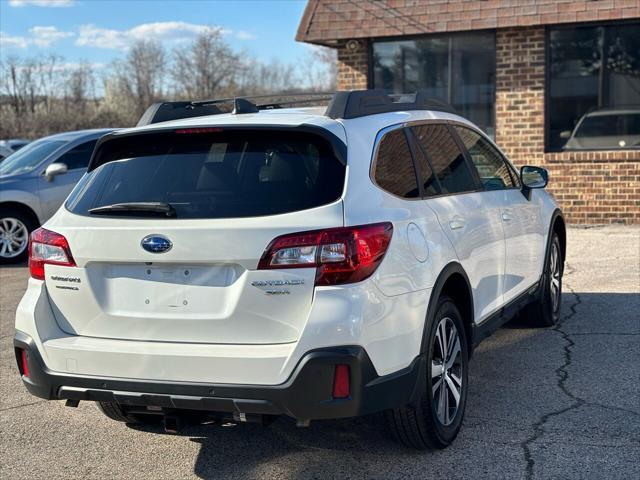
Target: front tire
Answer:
pixel 545 310
pixel 436 419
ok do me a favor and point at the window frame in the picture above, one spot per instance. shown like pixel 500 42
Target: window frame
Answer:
pixel 547 74
pixel 413 144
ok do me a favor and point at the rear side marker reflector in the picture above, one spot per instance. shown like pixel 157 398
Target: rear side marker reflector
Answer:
pixel 341 382
pixel 24 363
pixel 47 247
pixel 341 255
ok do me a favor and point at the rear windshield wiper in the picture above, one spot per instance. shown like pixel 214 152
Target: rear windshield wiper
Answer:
pixel 162 208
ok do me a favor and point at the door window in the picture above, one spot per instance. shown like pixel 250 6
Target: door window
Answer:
pixel 445 157
pixel 394 170
pixel 492 169
pixel 78 156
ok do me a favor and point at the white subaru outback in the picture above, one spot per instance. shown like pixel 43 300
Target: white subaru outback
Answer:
pixel 317 263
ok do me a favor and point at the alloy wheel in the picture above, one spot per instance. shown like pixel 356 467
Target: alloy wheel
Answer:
pixel 446 371
pixel 14 237
pixel 555 267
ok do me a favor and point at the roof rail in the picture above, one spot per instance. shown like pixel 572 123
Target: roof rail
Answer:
pixel 360 103
pixel 353 104
pixel 165 111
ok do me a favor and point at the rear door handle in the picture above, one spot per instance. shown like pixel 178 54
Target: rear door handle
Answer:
pixel 456 223
pixel 506 216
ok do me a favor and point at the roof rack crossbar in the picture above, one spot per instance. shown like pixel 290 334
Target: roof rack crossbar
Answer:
pixel 165 111
pixel 347 105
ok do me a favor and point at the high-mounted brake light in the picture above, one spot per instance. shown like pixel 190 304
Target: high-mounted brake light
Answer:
pixel 49 247
pixel 199 130
pixel 341 255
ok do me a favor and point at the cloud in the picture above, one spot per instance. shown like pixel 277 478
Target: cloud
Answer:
pixel 45 36
pixel 93 36
pixel 244 35
pixel 42 3
pixel 12 41
pixel 39 36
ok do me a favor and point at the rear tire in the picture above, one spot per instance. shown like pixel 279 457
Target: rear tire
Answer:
pixel 115 412
pixel 436 420
pixel 15 228
pixel 545 310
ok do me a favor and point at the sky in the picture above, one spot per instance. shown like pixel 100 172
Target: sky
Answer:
pixel 98 31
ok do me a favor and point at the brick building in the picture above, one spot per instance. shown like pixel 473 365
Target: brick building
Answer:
pixel 526 71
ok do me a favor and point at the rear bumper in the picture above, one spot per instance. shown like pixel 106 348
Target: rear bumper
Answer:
pixel 306 395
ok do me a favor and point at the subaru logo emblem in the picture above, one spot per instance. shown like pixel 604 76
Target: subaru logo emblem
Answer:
pixel 156 243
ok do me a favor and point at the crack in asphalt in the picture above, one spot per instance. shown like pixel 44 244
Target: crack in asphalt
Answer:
pixel 21 406
pixel 562 373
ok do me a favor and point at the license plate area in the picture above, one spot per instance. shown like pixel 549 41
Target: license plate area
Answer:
pixel 169 289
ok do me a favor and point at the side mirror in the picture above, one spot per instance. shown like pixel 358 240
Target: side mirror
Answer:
pixel 55 169
pixel 565 135
pixel 533 177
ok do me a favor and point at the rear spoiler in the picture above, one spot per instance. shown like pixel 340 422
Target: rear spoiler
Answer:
pixel 338 147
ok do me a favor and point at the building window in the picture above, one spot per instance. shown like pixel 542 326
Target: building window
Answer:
pixel 459 68
pixel 593 91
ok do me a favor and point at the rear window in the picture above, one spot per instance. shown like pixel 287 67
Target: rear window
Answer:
pixel 231 173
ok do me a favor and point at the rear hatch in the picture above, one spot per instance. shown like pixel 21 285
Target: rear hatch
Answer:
pixel 167 230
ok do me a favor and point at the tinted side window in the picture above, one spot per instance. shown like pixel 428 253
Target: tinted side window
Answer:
pixel 492 169
pixel 79 156
pixel 426 177
pixel 394 170
pixel 445 158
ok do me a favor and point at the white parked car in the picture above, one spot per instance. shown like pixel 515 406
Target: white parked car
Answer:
pixel 317 264
pixel 605 129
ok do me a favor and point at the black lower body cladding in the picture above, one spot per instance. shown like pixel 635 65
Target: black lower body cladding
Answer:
pixel 306 395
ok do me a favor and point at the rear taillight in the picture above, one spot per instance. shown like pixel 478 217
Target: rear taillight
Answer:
pixel 49 247
pixel 341 255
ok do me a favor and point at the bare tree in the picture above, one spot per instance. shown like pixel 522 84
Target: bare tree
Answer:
pixel 140 78
pixel 80 87
pixel 42 95
pixel 321 69
pixel 205 68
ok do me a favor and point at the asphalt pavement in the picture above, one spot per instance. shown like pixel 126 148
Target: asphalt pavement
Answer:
pixel 543 403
